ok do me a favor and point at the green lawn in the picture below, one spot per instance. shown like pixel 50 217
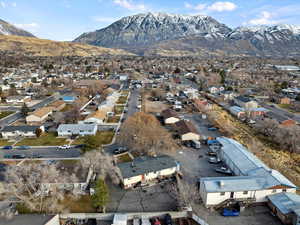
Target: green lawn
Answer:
pixel 122 100
pixel 47 139
pixel 113 119
pixel 104 137
pixel 118 109
pixel 4 142
pixel 5 114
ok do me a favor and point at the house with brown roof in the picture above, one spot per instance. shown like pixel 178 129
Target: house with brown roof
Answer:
pixel 57 105
pixel 170 116
pixel 187 131
pixel 96 117
pixel 39 115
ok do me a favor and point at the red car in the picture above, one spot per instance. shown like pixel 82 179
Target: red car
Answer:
pixel 156 221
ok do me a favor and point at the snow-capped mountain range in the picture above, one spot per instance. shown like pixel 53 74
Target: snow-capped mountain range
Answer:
pixel 8 29
pixel 141 32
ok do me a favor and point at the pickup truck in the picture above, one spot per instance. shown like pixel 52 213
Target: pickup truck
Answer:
pixel 230 212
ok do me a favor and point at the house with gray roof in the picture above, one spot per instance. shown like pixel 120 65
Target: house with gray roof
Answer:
pixel 145 169
pixel 20 131
pixel 253 179
pixel 77 129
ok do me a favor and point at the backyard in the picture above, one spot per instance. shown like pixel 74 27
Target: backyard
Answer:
pixel 113 119
pixel 46 139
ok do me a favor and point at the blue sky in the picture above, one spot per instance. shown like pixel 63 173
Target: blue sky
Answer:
pixel 66 19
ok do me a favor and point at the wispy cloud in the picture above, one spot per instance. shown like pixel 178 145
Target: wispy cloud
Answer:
pixel 265 18
pixel 214 7
pixel 130 5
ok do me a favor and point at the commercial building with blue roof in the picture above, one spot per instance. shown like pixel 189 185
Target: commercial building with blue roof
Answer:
pixel 253 179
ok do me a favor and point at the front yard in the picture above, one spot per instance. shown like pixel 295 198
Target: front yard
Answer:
pixel 46 139
pixel 5 114
pixel 4 142
pixel 104 137
pixel 118 109
pixel 122 100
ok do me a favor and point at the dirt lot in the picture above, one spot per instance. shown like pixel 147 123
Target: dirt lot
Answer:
pixel 154 106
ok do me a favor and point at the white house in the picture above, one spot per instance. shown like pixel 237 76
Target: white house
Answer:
pixel 77 129
pixel 187 131
pixel 18 99
pixel 169 116
pixel 96 117
pixel 20 131
pixel 145 169
pixel 253 179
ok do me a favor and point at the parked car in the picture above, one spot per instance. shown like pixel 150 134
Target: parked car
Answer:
pixel 79 146
pixel 23 147
pixel 224 170
pixel 212 129
pixel 214 160
pixel 64 147
pixel 155 221
pixel 168 219
pixel 136 221
pixel 7 156
pixel 120 150
pixel 230 212
pixel 8 147
pixel 18 156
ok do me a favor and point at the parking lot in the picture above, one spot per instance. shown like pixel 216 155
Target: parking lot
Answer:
pixel 147 199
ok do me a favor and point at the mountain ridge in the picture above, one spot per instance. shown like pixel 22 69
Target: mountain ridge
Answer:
pixel 146 32
pixel 9 29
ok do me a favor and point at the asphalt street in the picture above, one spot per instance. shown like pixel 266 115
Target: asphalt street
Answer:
pixel 42 152
pixel 132 108
pixel 281 112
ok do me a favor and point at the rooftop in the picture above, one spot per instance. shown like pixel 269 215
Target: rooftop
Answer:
pixel 186 127
pixel 20 128
pixel 286 202
pixel 146 164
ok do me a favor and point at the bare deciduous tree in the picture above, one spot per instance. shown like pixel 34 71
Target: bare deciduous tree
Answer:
pixel 102 164
pixel 37 185
pixel 142 132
